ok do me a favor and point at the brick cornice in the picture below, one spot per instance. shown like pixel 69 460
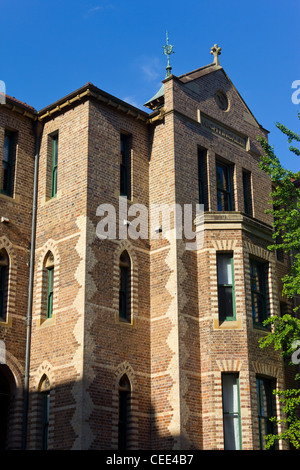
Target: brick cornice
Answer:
pixel 236 221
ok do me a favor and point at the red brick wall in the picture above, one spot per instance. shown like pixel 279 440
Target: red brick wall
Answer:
pixel 174 351
pixel 15 239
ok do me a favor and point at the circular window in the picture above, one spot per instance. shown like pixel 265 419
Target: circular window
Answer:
pixel 221 100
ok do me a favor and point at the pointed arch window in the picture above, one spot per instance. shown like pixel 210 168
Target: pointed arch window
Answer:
pixel 124 412
pixel 48 284
pixel 4 270
pixel 125 287
pixel 45 410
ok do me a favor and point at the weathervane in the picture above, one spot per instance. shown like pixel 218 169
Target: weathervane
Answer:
pixel 168 50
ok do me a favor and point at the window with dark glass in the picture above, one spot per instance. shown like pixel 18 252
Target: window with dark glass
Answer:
pixel 279 251
pixel 54 139
pixel 125 165
pixel 231 412
pixel 266 408
pixel 258 272
pixel 226 290
pixel 125 287
pixel 224 187
pixel 4 266
pixel 44 411
pixel 247 192
pixel 46 408
pixel 202 179
pixel 284 308
pixel 7 177
pixel 124 413
pixel 7 405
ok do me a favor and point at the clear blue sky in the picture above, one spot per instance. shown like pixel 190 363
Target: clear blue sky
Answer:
pixel 51 48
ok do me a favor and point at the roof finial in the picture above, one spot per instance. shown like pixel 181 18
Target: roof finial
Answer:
pixel 216 51
pixel 168 50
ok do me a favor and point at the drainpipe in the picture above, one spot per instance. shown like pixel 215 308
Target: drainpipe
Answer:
pixel 37 133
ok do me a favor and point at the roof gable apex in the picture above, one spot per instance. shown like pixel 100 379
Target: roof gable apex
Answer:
pixel 192 81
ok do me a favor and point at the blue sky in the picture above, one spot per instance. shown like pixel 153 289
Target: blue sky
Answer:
pixel 51 48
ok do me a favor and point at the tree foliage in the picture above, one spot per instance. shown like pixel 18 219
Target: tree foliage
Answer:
pixel 285 331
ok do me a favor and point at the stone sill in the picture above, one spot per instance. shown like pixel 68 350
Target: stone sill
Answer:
pixel 228 325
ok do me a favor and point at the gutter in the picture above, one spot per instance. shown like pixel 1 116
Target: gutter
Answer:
pixel 38 132
pixel 91 91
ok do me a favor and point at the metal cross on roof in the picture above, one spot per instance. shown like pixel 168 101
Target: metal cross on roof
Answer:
pixel 216 51
pixel 168 50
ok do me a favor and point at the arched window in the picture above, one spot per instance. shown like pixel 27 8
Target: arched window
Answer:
pixel 48 282
pixel 125 287
pixel 4 268
pixel 44 410
pixel 7 405
pixel 124 412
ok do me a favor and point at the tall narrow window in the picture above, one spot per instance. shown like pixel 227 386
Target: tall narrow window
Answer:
pixel 4 267
pixel 44 403
pixel 124 413
pixel 247 192
pixel 258 290
pixel 46 409
pixel 7 405
pixel 224 187
pixel 54 165
pixel 226 290
pixel 50 292
pixel 231 412
pixel 266 408
pixel 48 285
pixel 125 165
pixel 125 287
pixel 279 251
pixel 202 182
pixel 8 163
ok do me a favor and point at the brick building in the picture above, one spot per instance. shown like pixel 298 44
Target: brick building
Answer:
pixel 136 343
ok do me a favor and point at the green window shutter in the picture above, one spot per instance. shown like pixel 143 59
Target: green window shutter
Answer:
pixel 54 165
pixel 50 292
